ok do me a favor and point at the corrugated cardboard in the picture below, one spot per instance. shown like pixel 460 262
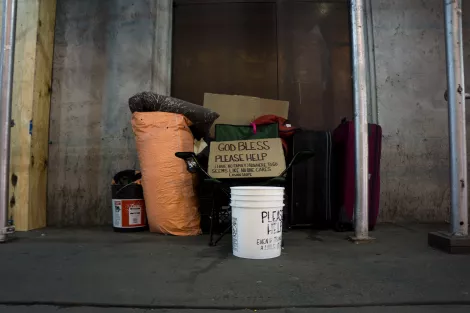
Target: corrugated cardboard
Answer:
pixel 242 110
pixel 246 158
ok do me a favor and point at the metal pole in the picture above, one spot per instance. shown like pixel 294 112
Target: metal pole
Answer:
pixel 6 73
pixel 360 87
pixel 457 132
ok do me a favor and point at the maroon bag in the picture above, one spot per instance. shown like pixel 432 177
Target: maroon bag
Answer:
pixel 343 187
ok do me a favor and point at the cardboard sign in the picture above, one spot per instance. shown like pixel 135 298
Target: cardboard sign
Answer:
pixel 246 158
pixel 242 110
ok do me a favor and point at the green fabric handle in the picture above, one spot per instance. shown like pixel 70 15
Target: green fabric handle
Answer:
pixel 225 132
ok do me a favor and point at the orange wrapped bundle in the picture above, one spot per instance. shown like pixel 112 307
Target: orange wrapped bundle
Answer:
pixel 170 197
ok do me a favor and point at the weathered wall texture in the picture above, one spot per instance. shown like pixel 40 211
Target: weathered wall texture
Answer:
pixel 411 80
pixel 103 55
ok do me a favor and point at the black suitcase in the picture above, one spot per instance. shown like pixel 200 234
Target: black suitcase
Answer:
pixel 310 203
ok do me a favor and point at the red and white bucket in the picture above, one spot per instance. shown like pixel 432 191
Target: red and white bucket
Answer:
pixel 128 207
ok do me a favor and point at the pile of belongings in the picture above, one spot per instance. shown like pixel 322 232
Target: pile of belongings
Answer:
pixel 163 126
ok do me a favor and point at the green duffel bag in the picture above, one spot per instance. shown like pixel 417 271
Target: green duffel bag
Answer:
pixel 226 132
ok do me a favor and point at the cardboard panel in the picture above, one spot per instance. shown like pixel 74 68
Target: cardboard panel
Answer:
pixel 246 158
pixel 242 110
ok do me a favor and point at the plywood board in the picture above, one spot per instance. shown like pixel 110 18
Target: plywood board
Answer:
pixel 246 158
pixel 30 113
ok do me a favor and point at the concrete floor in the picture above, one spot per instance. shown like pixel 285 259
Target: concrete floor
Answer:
pixel 97 270
pixel 409 309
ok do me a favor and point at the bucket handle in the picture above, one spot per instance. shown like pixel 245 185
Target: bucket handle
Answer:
pixel 117 192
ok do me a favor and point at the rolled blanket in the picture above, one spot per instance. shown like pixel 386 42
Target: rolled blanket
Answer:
pixel 201 117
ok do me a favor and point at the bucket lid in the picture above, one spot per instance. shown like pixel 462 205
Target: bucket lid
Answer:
pixel 256 188
pixel 257 204
pixel 257 197
pixel 257 191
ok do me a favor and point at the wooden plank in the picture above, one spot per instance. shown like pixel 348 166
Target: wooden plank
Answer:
pixel 30 112
pixel 21 111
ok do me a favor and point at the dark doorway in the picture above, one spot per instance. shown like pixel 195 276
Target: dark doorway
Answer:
pixel 226 48
pixel 315 62
pixel 297 51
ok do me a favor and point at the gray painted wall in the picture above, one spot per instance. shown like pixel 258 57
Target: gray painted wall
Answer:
pixel 103 55
pixel 411 80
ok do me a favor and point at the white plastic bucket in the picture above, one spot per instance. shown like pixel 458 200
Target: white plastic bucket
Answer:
pixel 257 225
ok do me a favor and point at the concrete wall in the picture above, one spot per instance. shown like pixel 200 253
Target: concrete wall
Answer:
pixel 411 80
pixel 103 55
